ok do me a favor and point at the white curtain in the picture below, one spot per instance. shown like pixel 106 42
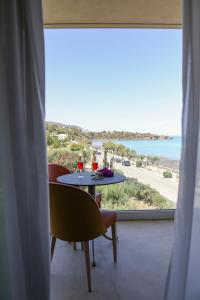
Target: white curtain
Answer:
pixel 24 220
pixel 184 275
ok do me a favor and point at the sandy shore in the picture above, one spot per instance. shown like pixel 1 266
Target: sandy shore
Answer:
pixel 171 164
pixel 167 187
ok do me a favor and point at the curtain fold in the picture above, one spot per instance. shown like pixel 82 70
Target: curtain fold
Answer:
pixel 183 280
pixel 24 212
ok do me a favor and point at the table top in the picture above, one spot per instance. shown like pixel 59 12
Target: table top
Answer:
pixel 87 179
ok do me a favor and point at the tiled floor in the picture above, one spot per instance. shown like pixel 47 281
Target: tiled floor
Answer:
pixel 144 250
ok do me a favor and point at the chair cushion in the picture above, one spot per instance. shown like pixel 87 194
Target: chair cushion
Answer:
pixel 109 217
pixel 98 199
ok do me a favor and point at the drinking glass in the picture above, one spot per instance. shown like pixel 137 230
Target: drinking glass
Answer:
pixel 94 166
pixel 80 167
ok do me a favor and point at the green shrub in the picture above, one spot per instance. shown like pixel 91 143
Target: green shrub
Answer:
pixel 113 196
pixel 127 195
pixel 161 202
pixel 76 147
pixel 63 157
pixel 56 144
pixel 167 174
pixel 138 163
pixel 120 172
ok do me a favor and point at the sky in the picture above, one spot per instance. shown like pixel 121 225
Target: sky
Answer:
pixel 115 79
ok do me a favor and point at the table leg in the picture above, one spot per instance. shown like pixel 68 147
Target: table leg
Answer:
pixel 109 238
pixel 91 191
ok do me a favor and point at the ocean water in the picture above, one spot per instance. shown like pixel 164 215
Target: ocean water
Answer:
pixel 170 149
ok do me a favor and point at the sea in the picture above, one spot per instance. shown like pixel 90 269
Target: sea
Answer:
pixel 170 148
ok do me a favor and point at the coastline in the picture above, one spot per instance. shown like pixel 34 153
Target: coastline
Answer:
pixel 134 139
pixel 168 151
pixel 169 163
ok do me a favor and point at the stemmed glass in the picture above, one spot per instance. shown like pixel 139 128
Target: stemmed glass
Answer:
pixel 80 167
pixel 95 166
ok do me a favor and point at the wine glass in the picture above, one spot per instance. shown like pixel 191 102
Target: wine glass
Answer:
pixel 95 166
pixel 80 167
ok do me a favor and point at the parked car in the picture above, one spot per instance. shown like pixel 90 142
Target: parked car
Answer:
pixel 118 160
pixel 126 163
pixel 98 153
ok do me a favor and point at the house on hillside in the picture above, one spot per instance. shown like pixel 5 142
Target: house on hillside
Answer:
pixel 62 136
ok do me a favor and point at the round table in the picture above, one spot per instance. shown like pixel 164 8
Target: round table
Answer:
pixel 87 179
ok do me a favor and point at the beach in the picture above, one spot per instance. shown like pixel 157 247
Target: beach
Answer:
pixel 169 163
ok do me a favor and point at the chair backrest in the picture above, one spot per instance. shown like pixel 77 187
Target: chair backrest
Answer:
pixel 56 170
pixel 74 213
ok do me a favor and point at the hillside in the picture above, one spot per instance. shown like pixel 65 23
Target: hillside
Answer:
pixel 59 128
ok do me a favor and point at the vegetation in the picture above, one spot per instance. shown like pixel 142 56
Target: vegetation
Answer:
pixel 76 147
pixel 167 174
pixel 132 195
pixel 125 135
pixel 120 150
pixel 77 132
pixel 142 157
pixel 67 151
pixel 63 157
pixel 138 163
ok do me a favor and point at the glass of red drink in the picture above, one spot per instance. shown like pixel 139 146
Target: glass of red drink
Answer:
pixel 95 166
pixel 80 167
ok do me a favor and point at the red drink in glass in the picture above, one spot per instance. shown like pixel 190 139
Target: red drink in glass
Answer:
pixel 80 165
pixel 94 165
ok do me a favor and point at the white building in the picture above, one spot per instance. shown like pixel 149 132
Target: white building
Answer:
pixel 62 136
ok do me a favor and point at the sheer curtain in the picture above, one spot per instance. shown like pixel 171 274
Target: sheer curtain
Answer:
pixel 183 281
pixel 24 220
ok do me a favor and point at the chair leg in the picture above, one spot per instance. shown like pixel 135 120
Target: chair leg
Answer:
pixel 87 261
pixel 82 246
pixel 74 245
pixel 114 241
pixel 53 242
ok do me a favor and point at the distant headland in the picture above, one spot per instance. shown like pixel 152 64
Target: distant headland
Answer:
pixel 108 135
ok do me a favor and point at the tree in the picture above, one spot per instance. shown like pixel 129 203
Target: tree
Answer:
pixel 109 146
pixel 86 156
pixel 120 150
pixel 142 157
pixel 154 159
pixel 131 154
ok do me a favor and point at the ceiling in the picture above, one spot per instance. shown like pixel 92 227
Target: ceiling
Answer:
pixel 113 13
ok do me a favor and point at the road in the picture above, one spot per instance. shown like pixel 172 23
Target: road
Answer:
pixel 167 187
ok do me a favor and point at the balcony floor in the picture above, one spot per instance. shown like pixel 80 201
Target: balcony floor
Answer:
pixel 144 250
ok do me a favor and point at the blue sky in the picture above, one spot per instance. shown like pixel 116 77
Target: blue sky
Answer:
pixel 115 79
